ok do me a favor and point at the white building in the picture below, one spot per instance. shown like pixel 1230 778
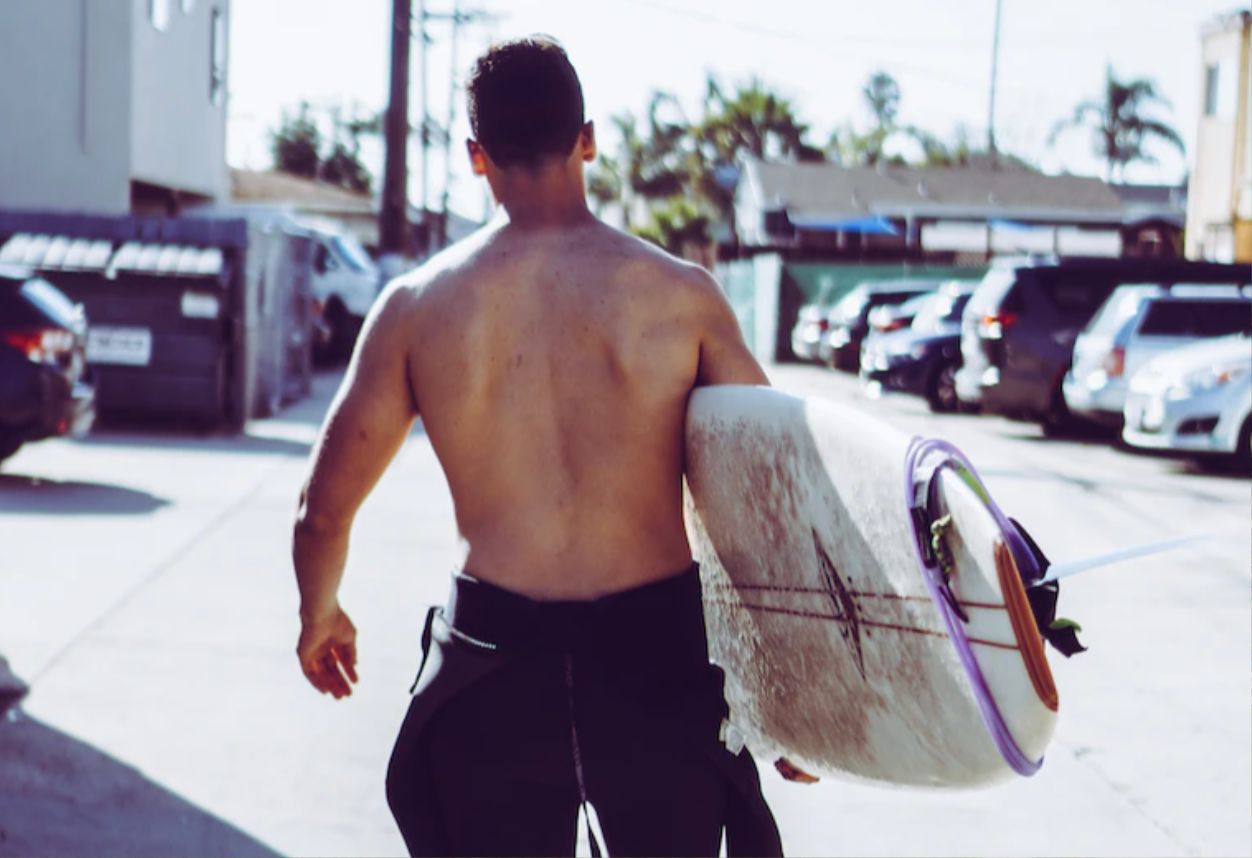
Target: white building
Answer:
pixel 1219 214
pixel 112 106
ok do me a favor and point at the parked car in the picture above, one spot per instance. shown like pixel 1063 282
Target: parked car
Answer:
pixel 848 320
pixel 1138 322
pixel 921 359
pixel 44 387
pixel 811 324
pixel 1019 328
pixel 895 317
pixel 1196 399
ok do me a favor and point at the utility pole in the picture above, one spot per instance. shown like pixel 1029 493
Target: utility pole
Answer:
pixel 393 232
pixel 424 130
pixel 447 128
pixel 991 111
pixel 457 17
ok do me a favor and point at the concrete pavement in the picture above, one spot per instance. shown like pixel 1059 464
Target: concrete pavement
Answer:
pixel 146 596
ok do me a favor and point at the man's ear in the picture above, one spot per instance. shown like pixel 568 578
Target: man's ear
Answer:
pixel 587 141
pixel 477 157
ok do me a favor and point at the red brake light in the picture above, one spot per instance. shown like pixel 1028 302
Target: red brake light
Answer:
pixel 46 345
pixel 1115 362
pixel 993 325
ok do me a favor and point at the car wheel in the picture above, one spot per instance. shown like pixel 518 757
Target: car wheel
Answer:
pixel 1058 421
pixel 942 392
pixel 343 331
pixel 1243 453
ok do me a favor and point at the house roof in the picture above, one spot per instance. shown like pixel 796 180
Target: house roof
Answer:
pixel 271 186
pixel 831 192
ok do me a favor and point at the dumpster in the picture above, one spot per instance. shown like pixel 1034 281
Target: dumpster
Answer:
pixel 196 320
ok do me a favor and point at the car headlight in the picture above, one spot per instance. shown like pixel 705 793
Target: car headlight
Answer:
pixel 1202 380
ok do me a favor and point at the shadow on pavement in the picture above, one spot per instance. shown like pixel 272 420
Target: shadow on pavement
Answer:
pixel 165 439
pixel 60 796
pixel 31 494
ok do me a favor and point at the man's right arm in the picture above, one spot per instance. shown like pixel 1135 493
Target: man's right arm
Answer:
pixel 724 355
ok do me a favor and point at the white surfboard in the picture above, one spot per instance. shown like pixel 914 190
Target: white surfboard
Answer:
pixel 846 651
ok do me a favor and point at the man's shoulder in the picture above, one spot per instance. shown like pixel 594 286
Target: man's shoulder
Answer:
pixel 642 260
pixel 436 274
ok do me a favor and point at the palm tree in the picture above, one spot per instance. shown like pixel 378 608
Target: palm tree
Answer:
pixel 1119 124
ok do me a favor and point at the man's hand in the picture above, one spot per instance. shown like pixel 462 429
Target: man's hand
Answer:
pixel 327 651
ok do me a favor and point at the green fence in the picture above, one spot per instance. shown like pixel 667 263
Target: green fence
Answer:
pixel 767 293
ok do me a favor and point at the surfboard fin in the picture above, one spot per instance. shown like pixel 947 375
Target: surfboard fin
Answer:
pixel 791 772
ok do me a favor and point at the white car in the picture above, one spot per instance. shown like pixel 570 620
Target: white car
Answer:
pixel 1135 324
pixel 1196 399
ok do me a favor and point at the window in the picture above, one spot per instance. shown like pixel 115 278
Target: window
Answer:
pixel 1166 318
pixel 189 6
pixel 1212 79
pixel 217 58
pixel 159 12
pixel 1076 296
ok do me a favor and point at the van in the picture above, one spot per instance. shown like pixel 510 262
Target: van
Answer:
pixel 1019 328
pixel 344 284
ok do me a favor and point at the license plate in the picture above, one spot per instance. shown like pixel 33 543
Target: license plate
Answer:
pixel 124 346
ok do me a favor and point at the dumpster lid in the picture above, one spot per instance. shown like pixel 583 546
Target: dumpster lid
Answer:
pixel 56 252
pixel 178 259
pixel 45 252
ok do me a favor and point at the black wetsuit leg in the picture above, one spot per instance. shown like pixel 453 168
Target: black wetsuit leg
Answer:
pixel 503 764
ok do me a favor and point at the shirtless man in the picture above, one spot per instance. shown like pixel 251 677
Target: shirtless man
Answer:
pixel 550 358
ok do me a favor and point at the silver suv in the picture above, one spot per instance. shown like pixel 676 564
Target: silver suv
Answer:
pixel 1137 323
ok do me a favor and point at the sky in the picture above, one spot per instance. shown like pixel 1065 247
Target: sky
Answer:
pixel 818 53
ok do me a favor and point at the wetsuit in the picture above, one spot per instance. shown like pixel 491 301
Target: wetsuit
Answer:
pixel 524 710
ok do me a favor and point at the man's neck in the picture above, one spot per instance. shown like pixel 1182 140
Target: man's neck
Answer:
pixel 549 198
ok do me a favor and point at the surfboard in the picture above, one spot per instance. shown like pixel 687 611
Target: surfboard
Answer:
pixel 864 595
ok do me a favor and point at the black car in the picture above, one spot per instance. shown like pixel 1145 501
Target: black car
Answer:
pixel 44 389
pixel 848 321
pixel 921 359
pixel 1018 330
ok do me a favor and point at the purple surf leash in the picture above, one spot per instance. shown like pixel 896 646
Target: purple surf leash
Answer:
pixel 915 477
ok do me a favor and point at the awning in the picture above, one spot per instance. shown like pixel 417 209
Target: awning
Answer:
pixel 870 225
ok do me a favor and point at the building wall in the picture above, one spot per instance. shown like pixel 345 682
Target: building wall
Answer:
pixel 1221 168
pixel 65 127
pixel 179 132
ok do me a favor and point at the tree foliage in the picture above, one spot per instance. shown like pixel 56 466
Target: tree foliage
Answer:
pixel 1120 124
pixel 297 143
pixel 299 147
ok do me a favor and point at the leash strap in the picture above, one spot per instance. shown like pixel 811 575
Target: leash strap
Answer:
pixel 923 461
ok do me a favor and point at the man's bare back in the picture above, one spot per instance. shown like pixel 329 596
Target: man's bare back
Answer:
pixel 551 368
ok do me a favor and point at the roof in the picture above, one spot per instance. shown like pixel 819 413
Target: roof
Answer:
pixel 832 192
pixel 271 186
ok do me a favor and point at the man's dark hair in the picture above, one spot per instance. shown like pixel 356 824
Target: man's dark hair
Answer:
pixel 525 102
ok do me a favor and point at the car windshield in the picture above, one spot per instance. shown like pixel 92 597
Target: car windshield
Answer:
pixel 51 301
pixel 943 308
pixel 1120 308
pixel 850 305
pixel 352 254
